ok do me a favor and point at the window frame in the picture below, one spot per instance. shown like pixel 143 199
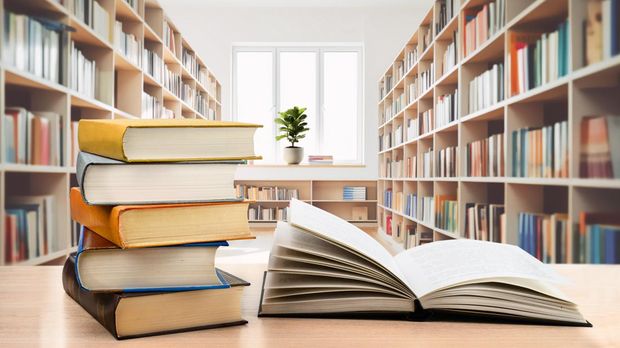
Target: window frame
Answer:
pixel 319 49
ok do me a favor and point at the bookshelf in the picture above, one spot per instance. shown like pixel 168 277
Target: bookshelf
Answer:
pixel 325 194
pixel 584 90
pixel 120 85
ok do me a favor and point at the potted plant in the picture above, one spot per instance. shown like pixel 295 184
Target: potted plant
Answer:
pixel 292 127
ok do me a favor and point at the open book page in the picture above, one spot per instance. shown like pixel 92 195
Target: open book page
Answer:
pixel 438 265
pixel 335 229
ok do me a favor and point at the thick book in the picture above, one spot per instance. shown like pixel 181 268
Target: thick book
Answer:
pixel 103 267
pixel 108 181
pixel 168 140
pixel 321 265
pixel 134 314
pixel 137 226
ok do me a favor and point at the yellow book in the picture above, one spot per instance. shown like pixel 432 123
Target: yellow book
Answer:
pixel 168 140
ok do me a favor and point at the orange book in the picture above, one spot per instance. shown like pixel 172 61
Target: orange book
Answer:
pixel 135 226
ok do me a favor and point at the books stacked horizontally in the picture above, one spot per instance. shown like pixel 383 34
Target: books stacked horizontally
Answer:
pixel 154 210
pixel 354 193
pixel 357 277
pixel 320 159
pixel 600 147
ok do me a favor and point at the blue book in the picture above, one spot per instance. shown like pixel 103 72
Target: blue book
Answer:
pixel 610 245
pixel 103 267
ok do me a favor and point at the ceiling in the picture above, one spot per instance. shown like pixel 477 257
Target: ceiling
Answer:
pixel 422 4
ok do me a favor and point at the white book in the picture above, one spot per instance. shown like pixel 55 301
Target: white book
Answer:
pixel 608 28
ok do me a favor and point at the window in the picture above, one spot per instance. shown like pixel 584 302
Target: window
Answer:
pixel 326 80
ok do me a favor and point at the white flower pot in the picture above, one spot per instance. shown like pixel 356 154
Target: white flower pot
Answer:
pixel 293 155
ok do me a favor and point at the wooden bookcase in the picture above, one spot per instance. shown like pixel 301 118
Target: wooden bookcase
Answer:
pixel 325 194
pixel 121 84
pixel 585 90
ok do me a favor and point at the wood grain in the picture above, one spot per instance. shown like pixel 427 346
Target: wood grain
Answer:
pixel 35 311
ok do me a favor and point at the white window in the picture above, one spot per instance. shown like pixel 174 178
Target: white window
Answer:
pixel 327 80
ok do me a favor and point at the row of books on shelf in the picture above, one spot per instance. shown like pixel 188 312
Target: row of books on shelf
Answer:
pixel 446 110
pixel 320 159
pixel 91 13
pixel 485 157
pixel 84 74
pixel 152 108
pixel 411 205
pixel 446 211
pixel 266 193
pixel 416 236
pixel 537 59
pixel 262 213
pixel 399 70
pixel 398 103
pixel 354 193
pixel 153 64
pixel 34 45
pixel 447 162
pixel 30 227
pixel 398 135
pixel 413 128
pixel 481 23
pixel 188 58
pixel 427 78
pixel 392 168
pixel 447 10
pixel 487 88
pixel 484 221
pixel 600 147
pixel 602 28
pixel 427 207
pixel 411 57
pixel 172 81
pixel 428 121
pixel 385 141
pixel 541 152
pixel 427 163
pixel 128 44
pixel 550 238
pixel 412 90
pixel 168 38
pixel 35 137
pixel 450 55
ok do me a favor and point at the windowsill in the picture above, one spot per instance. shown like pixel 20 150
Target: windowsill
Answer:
pixel 305 165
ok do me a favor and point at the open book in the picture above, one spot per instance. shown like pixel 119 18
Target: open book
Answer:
pixel 320 265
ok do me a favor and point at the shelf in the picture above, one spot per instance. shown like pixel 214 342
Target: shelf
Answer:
pixel 31 168
pixel 42 259
pixel 125 12
pixel 14 76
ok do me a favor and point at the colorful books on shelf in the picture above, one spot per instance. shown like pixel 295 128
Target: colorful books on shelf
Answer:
pixel 84 74
pixel 413 129
pixel 598 239
pixel 446 110
pixel 447 10
pixel 481 23
pixel 411 205
pixel 548 237
pixel 265 193
pixel 260 212
pixel 447 162
pixel 485 157
pixel 388 224
pixel 387 198
pixel 601 28
pixel 427 163
pixel 486 222
pixel 131 255
pixel 320 159
pixel 600 147
pixel 538 58
pixel 481 270
pixel 428 210
pixel 487 88
pixel 35 45
pixel 127 44
pixel 33 137
pixel 446 211
pixel 30 227
pixel 541 152
pixel 354 193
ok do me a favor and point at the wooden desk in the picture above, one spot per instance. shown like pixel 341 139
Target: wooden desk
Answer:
pixel 35 311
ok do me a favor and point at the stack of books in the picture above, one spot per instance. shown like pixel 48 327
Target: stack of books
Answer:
pixel 354 193
pixel 145 263
pixel 600 147
pixel 320 159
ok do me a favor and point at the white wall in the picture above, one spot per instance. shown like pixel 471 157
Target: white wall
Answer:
pixel 212 31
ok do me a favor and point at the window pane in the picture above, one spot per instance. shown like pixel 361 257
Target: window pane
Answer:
pixel 340 93
pixel 255 99
pixel 298 75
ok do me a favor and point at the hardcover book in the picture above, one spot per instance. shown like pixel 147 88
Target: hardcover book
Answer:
pixel 320 265
pixel 168 140
pixel 129 315
pixel 107 181
pixel 102 266
pixel 136 226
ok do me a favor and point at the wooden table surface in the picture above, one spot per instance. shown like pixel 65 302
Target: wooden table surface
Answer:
pixel 35 311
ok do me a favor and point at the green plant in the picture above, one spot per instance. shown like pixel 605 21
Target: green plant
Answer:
pixel 292 125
